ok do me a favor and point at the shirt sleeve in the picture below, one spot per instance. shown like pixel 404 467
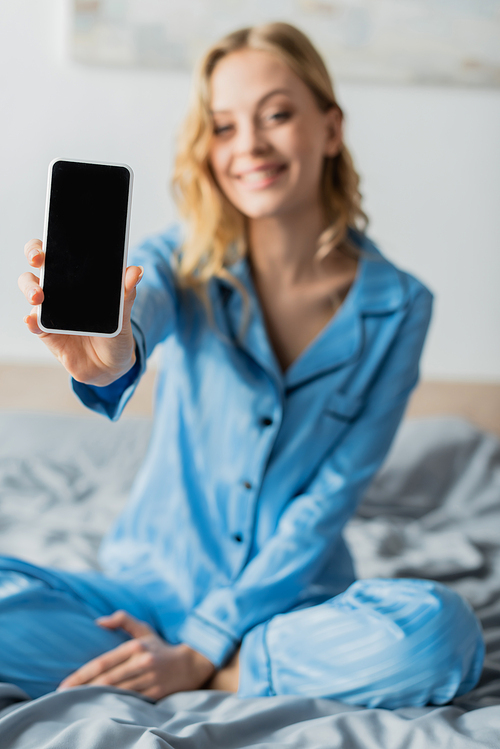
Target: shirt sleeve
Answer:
pixel 272 582
pixel 153 318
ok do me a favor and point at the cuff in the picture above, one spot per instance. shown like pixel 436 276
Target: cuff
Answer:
pixel 208 639
pixel 112 399
pixel 255 664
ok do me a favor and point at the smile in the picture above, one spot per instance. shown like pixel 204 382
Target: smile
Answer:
pixel 261 176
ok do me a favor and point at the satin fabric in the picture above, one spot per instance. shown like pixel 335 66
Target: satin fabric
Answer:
pixel 251 474
pixel 381 643
pixel 233 532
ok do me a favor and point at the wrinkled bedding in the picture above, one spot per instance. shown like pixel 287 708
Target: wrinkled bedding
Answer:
pixel 432 511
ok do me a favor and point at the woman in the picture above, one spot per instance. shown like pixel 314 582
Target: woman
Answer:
pixel 290 349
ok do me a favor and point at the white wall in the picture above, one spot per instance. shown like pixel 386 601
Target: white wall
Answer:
pixel 429 158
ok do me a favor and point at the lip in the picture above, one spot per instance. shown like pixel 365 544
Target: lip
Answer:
pixel 260 168
pixel 261 176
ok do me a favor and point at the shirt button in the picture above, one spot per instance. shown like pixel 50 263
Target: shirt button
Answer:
pixel 247 484
pixel 266 421
pixel 238 538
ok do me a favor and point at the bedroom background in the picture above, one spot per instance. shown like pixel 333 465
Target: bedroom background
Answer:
pixel 424 133
pixel 427 149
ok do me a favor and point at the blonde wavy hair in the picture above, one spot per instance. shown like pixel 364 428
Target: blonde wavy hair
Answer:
pixel 215 229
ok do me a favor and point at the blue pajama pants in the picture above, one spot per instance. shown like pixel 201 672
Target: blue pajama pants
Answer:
pixel 381 643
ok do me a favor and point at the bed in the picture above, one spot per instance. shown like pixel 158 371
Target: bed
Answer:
pixel 432 511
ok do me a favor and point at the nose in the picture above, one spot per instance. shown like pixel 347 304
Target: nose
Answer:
pixel 250 139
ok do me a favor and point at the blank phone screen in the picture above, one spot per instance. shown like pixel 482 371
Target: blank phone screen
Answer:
pixel 85 247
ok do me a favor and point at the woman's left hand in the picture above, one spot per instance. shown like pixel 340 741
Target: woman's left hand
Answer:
pixel 146 664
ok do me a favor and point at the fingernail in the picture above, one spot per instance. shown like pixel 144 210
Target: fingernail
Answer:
pixel 32 294
pixel 141 274
pixel 32 254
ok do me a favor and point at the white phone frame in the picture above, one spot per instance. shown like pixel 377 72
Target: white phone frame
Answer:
pixel 125 250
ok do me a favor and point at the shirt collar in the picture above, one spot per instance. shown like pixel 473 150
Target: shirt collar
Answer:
pixel 382 288
pixel 378 289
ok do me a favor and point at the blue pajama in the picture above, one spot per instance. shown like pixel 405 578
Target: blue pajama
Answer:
pixel 381 643
pixel 232 535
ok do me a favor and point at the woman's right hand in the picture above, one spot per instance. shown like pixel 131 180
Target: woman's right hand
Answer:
pixel 92 360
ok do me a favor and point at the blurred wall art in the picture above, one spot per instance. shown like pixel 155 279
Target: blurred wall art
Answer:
pixel 444 42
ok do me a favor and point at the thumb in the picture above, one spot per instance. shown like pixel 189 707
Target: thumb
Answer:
pixel 123 620
pixel 133 275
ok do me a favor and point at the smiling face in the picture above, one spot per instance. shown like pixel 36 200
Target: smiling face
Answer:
pixel 270 136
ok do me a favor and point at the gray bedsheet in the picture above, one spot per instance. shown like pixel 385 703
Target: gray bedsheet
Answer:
pixel 97 718
pixel 433 511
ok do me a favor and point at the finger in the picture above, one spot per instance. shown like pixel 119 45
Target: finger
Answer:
pixel 143 684
pixel 157 692
pixel 100 665
pixel 34 253
pixel 138 667
pixel 31 322
pixel 140 684
pixel 133 275
pixel 125 621
pixel 30 286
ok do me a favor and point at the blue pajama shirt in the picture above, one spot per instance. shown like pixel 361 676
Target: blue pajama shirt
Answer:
pixel 233 532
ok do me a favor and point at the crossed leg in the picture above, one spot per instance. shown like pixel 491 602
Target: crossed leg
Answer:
pixel 381 643
pixel 47 626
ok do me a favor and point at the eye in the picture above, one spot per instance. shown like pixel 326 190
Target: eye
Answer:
pixel 222 129
pixel 277 117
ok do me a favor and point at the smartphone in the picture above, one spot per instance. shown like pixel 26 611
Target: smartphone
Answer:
pixel 85 241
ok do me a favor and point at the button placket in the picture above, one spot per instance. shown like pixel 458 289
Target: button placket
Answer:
pixel 240 537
